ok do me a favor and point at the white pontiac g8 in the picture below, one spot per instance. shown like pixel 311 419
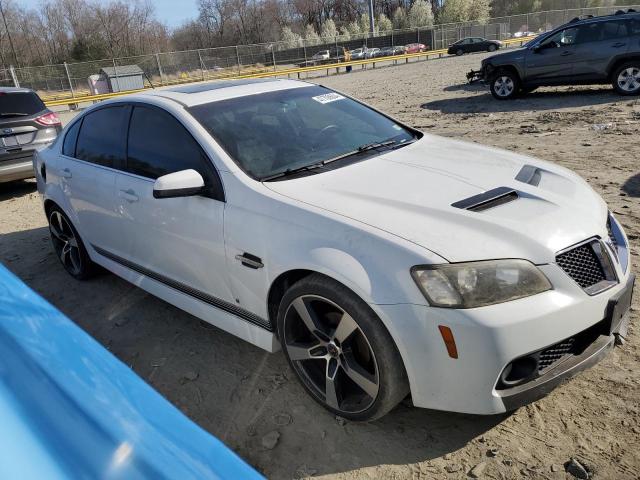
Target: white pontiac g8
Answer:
pixel 383 261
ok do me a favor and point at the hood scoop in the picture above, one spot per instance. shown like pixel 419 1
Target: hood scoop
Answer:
pixel 529 174
pixel 489 199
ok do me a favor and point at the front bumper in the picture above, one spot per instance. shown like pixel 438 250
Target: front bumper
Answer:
pixel 489 338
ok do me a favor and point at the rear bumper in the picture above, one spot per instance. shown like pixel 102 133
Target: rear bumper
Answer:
pixel 16 167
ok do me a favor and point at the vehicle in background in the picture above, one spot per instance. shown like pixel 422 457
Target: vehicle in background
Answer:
pixel 473 44
pixel 416 48
pixel 359 53
pixel 587 50
pixel 321 56
pixel 372 53
pixel 524 34
pixel 69 409
pixel 26 125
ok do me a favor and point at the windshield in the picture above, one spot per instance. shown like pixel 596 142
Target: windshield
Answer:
pixel 276 132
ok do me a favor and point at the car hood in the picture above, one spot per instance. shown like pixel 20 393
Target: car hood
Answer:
pixel 409 192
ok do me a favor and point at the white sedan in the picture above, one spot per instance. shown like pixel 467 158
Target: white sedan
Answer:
pixel 382 260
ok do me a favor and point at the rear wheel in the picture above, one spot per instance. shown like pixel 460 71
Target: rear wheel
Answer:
pixel 69 247
pixel 339 349
pixel 492 48
pixel 504 85
pixel 626 78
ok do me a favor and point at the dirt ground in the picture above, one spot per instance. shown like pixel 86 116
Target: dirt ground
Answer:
pixel 242 394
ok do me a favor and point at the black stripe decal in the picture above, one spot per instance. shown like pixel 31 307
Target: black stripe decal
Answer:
pixel 186 289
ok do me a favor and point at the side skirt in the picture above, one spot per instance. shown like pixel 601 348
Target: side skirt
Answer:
pixel 199 306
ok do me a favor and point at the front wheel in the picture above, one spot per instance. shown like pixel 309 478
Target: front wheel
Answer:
pixel 339 349
pixel 459 52
pixel 505 85
pixel 626 78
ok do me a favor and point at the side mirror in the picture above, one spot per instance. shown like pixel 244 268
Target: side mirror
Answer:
pixel 184 183
pixel 536 48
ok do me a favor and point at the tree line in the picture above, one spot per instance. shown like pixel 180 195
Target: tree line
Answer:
pixel 81 30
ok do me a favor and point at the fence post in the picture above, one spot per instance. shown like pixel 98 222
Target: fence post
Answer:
pixel 417 35
pixel 273 56
pixel 115 71
pixel 14 77
pixel 304 49
pixel 66 69
pixel 238 59
pixel 160 69
pixel 202 67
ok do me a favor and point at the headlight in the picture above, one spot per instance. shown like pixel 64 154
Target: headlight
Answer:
pixel 476 284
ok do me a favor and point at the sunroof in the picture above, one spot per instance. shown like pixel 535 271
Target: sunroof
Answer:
pixel 204 87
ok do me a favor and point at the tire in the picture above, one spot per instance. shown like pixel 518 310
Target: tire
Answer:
pixel 339 349
pixel 68 246
pixel 492 48
pixel 459 52
pixel 504 85
pixel 626 78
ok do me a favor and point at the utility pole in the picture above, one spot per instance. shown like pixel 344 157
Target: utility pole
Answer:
pixel 372 21
pixel 4 20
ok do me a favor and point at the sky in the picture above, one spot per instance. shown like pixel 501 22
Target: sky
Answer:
pixel 171 12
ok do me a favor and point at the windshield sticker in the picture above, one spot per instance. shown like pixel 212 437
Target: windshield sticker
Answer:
pixel 328 97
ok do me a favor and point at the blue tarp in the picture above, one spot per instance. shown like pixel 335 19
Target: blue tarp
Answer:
pixel 70 410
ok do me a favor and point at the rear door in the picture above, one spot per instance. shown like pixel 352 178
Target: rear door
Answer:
pixel 88 170
pixel 552 62
pixel 596 45
pixel 177 241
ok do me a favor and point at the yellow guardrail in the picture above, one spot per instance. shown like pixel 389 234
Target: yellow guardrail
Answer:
pixel 272 73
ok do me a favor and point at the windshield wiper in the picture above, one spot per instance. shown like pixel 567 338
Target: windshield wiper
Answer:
pixel 361 149
pixel 13 114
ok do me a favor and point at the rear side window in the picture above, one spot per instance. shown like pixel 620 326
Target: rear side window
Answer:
pixel 613 30
pixel 634 26
pixel 19 104
pixel 159 144
pixel 70 138
pixel 102 137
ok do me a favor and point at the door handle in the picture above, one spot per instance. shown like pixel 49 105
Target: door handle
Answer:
pixel 129 195
pixel 65 173
pixel 566 54
pixel 619 44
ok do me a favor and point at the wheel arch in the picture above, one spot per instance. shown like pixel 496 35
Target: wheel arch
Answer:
pixel 615 64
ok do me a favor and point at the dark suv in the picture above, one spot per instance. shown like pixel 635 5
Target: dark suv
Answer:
pixel 584 51
pixel 26 125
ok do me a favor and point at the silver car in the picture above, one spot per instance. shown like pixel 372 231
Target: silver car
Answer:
pixel 26 125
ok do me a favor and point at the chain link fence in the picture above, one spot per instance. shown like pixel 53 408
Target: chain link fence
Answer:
pixel 73 80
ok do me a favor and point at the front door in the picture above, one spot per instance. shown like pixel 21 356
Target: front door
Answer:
pixel 177 241
pixel 552 61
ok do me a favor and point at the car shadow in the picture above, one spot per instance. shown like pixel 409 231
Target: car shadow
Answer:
pixel 538 100
pixel 17 189
pixel 234 390
pixel 632 186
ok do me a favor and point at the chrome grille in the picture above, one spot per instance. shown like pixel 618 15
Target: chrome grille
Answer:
pixel 582 265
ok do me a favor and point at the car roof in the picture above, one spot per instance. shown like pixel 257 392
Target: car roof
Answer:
pixel 199 93
pixel 15 90
pixel 619 15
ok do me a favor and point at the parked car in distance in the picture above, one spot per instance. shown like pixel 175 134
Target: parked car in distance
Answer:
pixel 372 53
pixel 358 53
pixel 296 217
pixel 69 409
pixel 592 50
pixel 473 44
pixel 26 125
pixel 321 56
pixel 524 34
pixel 390 51
pixel 416 48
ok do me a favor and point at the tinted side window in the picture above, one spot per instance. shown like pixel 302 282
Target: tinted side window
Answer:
pixel 159 144
pixel 634 27
pixel 101 139
pixel 69 145
pixel 615 29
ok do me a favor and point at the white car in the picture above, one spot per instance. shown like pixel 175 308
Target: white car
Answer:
pixel 383 261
